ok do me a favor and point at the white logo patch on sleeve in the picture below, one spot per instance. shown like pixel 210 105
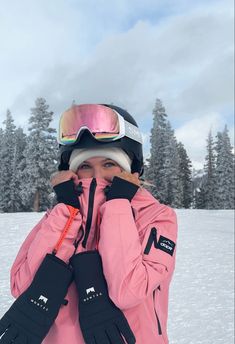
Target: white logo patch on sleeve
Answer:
pixel 166 245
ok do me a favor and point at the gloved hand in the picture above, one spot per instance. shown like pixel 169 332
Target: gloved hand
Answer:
pixel 30 317
pixel 100 320
pixel 125 185
pixel 68 193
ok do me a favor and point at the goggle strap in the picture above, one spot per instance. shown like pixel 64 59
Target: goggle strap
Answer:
pixel 133 132
pixel 121 122
pixel 128 129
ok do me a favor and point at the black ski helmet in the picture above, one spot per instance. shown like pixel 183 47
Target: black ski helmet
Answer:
pixel 86 140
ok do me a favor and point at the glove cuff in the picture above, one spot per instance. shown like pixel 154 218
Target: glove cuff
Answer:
pixel 121 188
pixel 66 193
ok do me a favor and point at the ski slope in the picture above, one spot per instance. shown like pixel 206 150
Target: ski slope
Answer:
pixel 202 290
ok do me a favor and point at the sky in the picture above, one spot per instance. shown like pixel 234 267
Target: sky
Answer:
pixel 125 52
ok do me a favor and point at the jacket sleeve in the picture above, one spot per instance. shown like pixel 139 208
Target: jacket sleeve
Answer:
pixel 135 262
pixel 42 240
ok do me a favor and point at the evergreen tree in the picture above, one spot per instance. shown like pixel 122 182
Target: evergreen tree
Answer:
pixel 224 171
pixel 158 139
pixel 198 184
pixel 209 169
pixel 40 158
pixel 7 156
pixel 1 170
pixel 172 185
pixel 200 195
pixel 18 165
pixel 185 176
pixel 163 169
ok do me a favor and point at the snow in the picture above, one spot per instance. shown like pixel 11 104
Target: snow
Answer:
pixel 202 290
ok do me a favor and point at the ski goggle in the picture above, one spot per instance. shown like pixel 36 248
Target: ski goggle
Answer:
pixel 104 123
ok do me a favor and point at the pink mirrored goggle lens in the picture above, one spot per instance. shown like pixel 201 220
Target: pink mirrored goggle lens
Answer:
pixel 100 120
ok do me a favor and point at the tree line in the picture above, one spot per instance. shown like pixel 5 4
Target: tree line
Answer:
pixel 28 160
pixel 171 177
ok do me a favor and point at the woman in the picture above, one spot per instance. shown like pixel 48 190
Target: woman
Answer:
pixel 100 197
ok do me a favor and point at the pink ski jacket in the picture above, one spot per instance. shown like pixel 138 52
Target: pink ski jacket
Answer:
pixel 137 245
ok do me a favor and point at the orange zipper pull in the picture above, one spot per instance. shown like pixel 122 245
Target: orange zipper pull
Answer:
pixel 73 212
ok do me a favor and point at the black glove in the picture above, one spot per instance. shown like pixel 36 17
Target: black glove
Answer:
pixel 100 320
pixel 30 317
pixel 68 193
pixel 121 188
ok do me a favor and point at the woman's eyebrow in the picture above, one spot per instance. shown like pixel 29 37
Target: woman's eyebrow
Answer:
pixel 104 160
pixel 109 160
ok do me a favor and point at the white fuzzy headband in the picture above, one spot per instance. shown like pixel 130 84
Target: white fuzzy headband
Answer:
pixel 78 156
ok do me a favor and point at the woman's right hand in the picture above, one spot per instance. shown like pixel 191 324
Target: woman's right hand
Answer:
pixel 63 176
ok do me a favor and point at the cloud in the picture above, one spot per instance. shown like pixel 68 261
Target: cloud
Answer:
pixel 186 60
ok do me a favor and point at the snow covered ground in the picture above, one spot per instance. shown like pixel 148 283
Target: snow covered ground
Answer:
pixel 201 309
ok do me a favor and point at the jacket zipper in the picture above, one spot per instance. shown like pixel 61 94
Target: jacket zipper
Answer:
pixel 158 321
pixel 73 212
pixel 90 211
pixel 152 239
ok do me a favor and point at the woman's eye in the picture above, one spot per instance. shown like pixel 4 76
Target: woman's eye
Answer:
pixel 84 167
pixel 109 164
